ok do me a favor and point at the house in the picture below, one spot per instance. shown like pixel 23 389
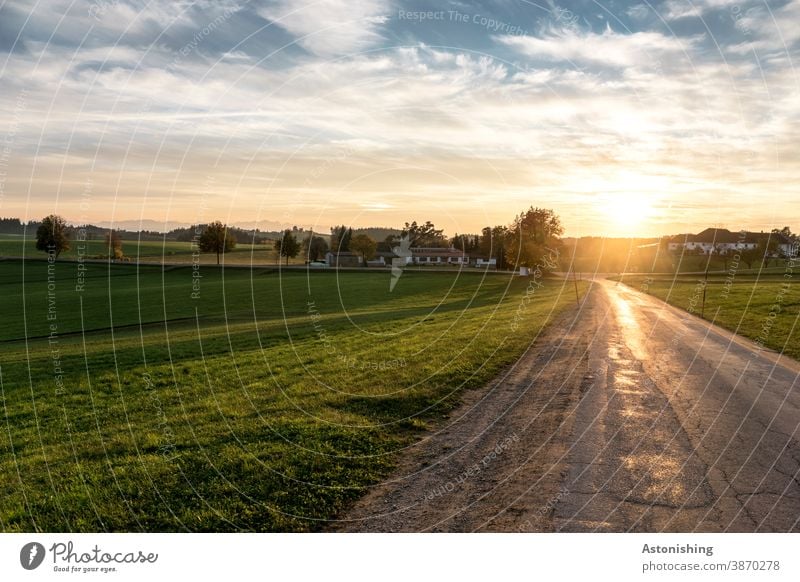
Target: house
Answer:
pixel 425 256
pixel 718 241
pixel 788 247
pixel 721 241
pixel 343 259
pixel 481 262
pixel 437 256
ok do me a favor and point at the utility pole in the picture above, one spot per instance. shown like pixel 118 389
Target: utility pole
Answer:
pixel 705 285
pixel 575 281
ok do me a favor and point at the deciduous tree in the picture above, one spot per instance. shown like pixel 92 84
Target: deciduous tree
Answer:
pixel 287 246
pixel 364 245
pixel 424 235
pixel 52 236
pixel 314 247
pixel 216 239
pixel 533 239
pixel 340 238
pixel 493 244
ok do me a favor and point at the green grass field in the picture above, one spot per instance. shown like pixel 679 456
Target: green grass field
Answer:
pixel 764 309
pixel 649 262
pixel 257 400
pixel 146 251
pixel 714 263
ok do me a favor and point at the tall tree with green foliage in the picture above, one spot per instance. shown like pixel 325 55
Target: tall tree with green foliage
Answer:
pixel 52 236
pixel 287 246
pixel 533 239
pixel 492 244
pixel 340 238
pixel 770 248
pixel 424 235
pixel 785 231
pixel 216 239
pixel 314 247
pixel 469 243
pixel 749 256
pixel 364 245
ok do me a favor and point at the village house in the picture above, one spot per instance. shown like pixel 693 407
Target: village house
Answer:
pixel 437 256
pixel 434 257
pixel 721 241
pixel 481 262
pixel 718 241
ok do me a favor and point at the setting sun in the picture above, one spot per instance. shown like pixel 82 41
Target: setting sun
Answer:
pixel 627 211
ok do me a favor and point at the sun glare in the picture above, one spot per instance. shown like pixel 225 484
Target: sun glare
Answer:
pixel 627 211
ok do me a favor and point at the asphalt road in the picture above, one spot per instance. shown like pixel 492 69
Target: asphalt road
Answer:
pixel 627 415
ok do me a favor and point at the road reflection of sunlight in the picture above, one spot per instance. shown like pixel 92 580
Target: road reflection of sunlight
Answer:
pixel 631 330
pixel 663 481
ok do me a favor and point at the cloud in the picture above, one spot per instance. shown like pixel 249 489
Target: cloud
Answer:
pixel 681 9
pixel 606 48
pixel 764 29
pixel 464 132
pixel 638 11
pixel 330 27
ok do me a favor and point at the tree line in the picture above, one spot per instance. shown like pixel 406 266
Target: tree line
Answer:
pixel 54 235
pixel 531 236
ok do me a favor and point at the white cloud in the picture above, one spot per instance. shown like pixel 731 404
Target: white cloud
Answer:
pixel 330 27
pixel 469 132
pixel 680 9
pixel 608 48
pixel 764 30
pixel 638 11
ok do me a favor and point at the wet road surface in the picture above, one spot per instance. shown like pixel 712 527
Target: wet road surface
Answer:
pixel 627 415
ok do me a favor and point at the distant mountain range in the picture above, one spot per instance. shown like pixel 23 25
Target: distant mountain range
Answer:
pixel 160 226
pixel 267 228
pixel 379 233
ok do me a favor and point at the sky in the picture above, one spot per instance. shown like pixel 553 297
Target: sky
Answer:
pixel 626 118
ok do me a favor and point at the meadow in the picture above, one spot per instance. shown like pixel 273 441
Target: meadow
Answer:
pixel 630 259
pixel 149 398
pixel 147 251
pixel 765 309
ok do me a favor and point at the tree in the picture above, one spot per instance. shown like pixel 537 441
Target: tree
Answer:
pixel 770 249
pixel 216 239
pixel 785 231
pixel 287 246
pixel 424 235
pixel 52 235
pixel 364 245
pixel 500 237
pixel 314 247
pixel 785 236
pixel 340 238
pixel 468 243
pixel 492 244
pixel 486 246
pixel 749 256
pixel 114 245
pixel 722 252
pixel 532 238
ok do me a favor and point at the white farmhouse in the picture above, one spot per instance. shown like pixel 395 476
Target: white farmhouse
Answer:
pixel 713 241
